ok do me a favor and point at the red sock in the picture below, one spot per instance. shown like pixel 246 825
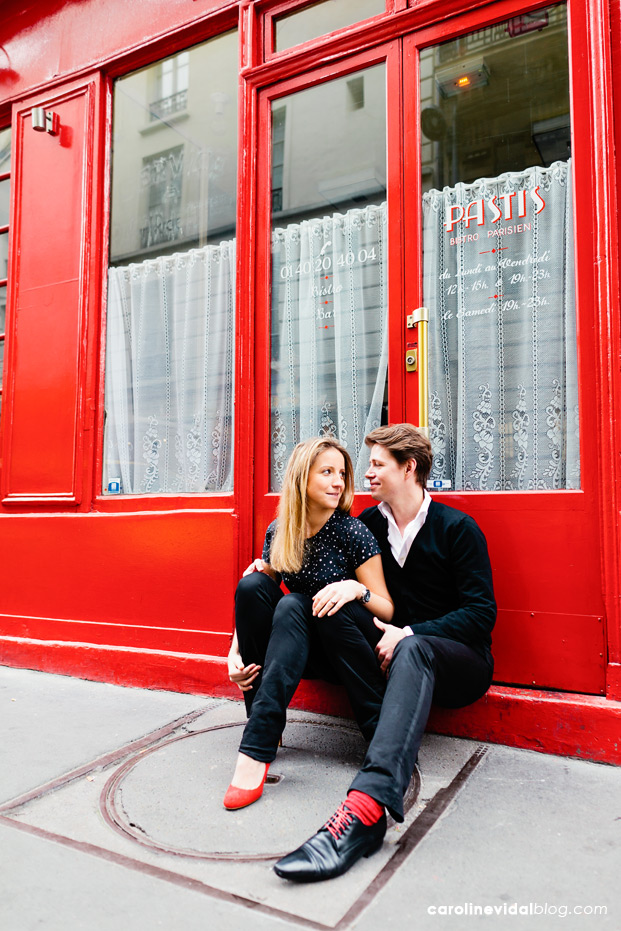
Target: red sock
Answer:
pixel 364 807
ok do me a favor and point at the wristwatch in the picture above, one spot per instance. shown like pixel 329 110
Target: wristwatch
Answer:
pixel 365 597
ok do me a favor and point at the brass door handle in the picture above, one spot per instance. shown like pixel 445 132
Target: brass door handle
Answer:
pixel 417 360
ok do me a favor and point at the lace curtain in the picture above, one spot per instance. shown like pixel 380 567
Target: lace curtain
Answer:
pixel 503 400
pixel 329 351
pixel 169 373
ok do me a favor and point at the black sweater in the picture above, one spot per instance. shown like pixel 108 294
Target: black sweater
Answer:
pixel 445 586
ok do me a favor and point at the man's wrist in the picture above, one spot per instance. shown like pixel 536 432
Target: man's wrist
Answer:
pixel 408 632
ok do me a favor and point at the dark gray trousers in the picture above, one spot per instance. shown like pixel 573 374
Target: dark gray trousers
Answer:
pixel 423 669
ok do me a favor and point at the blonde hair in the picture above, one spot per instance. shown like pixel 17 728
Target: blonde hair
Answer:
pixel 287 549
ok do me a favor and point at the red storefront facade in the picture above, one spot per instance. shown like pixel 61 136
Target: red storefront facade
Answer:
pixel 113 571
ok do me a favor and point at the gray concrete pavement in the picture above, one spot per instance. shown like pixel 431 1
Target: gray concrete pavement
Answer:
pixel 111 817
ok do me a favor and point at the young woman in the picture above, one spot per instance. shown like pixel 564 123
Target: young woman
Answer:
pixel 331 564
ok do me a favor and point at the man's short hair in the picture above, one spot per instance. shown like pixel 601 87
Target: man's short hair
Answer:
pixel 405 442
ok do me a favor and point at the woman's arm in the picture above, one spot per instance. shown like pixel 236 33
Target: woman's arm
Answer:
pixel 369 575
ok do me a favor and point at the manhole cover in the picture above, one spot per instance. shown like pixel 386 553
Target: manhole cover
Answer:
pixel 169 798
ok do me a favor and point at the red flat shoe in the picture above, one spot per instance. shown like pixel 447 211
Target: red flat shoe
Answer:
pixel 240 798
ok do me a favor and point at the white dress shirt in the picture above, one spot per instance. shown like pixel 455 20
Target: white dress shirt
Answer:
pixel 400 544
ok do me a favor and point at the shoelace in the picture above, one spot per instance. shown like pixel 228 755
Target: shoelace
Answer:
pixel 341 819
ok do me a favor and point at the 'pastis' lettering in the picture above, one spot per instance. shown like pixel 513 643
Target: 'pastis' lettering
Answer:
pixel 475 209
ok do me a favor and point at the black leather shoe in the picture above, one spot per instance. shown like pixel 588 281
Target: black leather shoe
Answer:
pixel 333 849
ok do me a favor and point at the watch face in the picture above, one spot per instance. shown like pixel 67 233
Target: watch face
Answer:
pixel 366 597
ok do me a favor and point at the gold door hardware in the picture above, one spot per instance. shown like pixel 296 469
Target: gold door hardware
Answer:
pixel 417 359
pixel 411 360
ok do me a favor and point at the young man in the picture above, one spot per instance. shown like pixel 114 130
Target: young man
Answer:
pixel 437 648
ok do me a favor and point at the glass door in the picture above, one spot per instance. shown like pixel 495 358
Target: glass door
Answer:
pixel 435 177
pixel 326 317
pixel 498 249
pixel 489 216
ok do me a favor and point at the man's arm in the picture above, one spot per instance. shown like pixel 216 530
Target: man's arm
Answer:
pixel 473 620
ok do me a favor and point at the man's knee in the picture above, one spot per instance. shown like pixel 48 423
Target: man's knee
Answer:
pixel 293 608
pixel 414 651
pixel 350 624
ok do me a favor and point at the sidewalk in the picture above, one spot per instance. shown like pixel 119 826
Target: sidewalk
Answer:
pixel 111 818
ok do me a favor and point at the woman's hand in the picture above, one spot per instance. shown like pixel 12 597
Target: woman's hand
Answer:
pixel 242 676
pixel 332 598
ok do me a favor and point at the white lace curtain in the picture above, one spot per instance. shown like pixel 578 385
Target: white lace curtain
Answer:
pixel 169 373
pixel 502 369
pixel 329 333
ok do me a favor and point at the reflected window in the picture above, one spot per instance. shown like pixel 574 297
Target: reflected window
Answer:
pixel 319 19
pixel 161 182
pixel 171 281
pixel 329 352
pixel 499 257
pixel 171 86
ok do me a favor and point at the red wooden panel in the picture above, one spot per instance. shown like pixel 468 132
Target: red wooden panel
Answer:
pixel 169 639
pixel 550 651
pixel 168 578
pixel 45 399
pixel 47 365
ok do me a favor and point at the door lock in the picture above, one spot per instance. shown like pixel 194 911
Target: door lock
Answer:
pixel 411 360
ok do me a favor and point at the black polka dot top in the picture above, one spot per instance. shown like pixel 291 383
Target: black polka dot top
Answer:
pixel 331 555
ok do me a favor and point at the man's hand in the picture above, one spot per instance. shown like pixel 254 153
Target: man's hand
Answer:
pixel 386 647
pixel 257 565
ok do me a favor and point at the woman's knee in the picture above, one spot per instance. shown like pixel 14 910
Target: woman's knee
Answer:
pixel 255 599
pixel 257 585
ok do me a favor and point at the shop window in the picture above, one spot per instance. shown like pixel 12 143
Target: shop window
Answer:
pixel 329 352
pixel 319 19
pixel 5 191
pixel 499 257
pixel 171 282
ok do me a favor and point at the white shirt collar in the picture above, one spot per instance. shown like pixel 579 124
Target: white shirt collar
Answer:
pixel 400 545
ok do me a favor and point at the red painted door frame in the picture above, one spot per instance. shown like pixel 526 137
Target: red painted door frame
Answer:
pixel 550 632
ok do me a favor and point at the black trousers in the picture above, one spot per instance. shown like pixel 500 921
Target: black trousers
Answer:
pixel 279 633
pixel 423 669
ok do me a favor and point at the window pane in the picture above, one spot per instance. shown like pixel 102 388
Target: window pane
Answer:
pixel 322 18
pixel 171 284
pixel 5 195
pixel 329 266
pixel 5 151
pixel 4 261
pixel 499 257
